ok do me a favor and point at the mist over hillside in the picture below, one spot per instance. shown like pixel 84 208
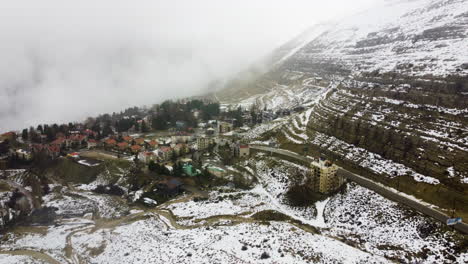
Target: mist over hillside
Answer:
pixel 63 62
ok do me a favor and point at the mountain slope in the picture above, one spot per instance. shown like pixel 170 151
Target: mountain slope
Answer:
pixel 396 107
pixel 409 37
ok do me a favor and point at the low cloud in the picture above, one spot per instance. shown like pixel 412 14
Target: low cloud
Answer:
pixel 64 60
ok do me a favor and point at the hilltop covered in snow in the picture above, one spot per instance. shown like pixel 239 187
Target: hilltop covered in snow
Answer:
pixel 416 37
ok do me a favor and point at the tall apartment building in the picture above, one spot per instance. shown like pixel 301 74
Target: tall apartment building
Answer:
pixel 324 177
pixel 204 142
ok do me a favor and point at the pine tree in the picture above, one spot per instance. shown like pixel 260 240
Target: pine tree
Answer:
pixel 24 134
pixel 107 130
pixel 152 166
pixel 144 127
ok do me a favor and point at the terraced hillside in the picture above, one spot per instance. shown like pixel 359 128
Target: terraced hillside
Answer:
pixel 386 94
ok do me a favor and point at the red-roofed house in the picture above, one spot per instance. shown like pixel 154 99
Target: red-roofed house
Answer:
pixel 135 148
pixel 180 149
pixel 8 135
pixel 122 146
pixel 92 143
pixel 165 152
pixel 147 156
pixel 152 145
pixel 53 151
pixel 110 142
pixel 127 139
pixel 60 142
pixel 139 141
pixel 78 140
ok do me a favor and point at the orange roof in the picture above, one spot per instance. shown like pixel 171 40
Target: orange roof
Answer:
pixel 165 149
pixel 153 142
pixel 92 141
pixel 135 147
pixel 122 145
pixel 111 141
pixel 54 148
pixel 77 137
pixel 11 133
pixel 139 140
pixel 127 138
pixel 58 141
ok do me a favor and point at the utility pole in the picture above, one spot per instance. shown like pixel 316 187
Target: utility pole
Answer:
pixel 453 208
pixel 453 212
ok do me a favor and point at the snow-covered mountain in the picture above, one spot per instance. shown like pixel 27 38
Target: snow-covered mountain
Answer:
pixel 409 36
pixel 385 91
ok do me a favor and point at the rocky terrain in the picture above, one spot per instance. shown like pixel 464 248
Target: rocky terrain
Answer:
pixel 388 86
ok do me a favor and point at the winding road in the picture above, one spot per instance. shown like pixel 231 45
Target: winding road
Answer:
pixel 381 189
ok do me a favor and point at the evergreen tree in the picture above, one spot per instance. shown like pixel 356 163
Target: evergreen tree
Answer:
pixel 144 127
pixel 107 130
pixel 33 136
pixel 40 129
pixel 152 166
pixel 137 126
pixel 174 156
pixel 24 134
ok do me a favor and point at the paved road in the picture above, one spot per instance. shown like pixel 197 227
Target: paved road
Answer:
pixel 383 190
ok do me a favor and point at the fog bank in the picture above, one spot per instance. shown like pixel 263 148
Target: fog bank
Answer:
pixel 65 60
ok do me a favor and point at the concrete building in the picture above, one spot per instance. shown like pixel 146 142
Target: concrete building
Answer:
pixel 165 153
pixel 92 143
pixel 324 177
pixel 23 154
pixel 146 156
pixel 224 127
pixel 204 142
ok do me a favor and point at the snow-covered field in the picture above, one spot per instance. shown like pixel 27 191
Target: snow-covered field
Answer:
pixel 151 241
pixel 80 203
pixel 389 229
pixel 356 226
pixel 7 258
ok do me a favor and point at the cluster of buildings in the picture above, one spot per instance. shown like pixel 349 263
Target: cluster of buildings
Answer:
pixel 176 144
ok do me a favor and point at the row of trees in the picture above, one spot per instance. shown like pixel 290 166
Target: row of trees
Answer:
pixel 164 116
pixel 50 131
pixel 169 112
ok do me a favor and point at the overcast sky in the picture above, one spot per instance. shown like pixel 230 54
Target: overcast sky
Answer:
pixel 65 60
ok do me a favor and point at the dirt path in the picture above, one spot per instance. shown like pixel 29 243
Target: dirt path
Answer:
pixel 162 213
pixel 33 254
